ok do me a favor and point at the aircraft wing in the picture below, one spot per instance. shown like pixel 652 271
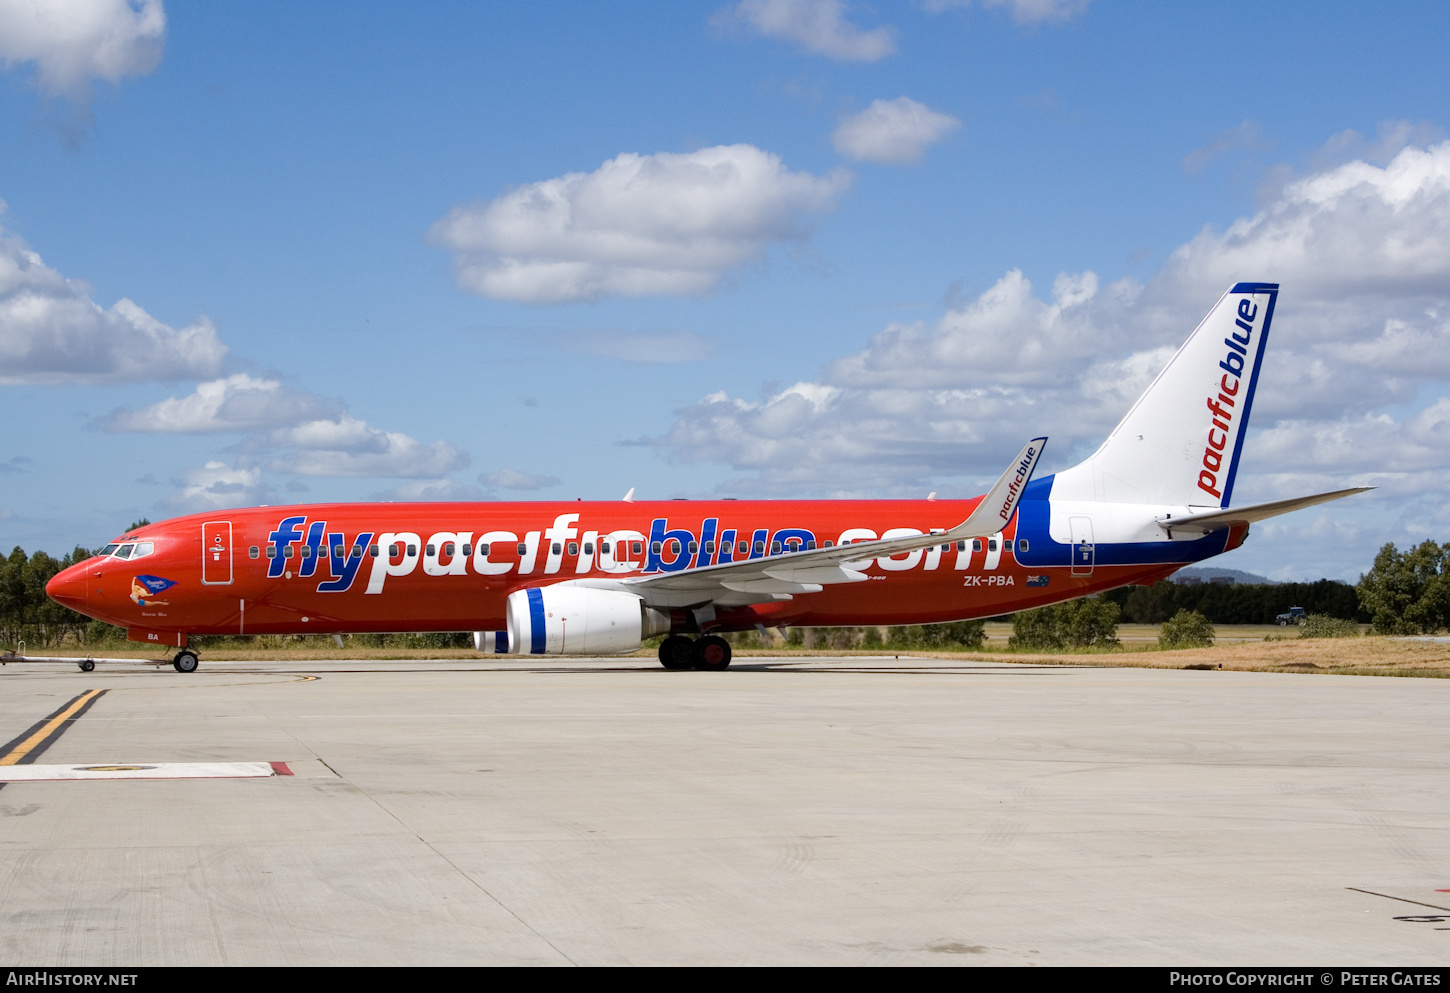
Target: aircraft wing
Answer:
pixel 780 576
pixel 1214 520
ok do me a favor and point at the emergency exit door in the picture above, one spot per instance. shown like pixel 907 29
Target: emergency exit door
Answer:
pixel 216 553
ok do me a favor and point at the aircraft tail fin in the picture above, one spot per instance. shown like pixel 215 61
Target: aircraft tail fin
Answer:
pixel 1180 443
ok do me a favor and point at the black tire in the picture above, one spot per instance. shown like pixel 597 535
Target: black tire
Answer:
pixel 87 665
pixel 185 661
pixel 677 652
pixel 712 654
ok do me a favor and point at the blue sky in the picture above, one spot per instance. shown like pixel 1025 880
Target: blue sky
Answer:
pixel 307 206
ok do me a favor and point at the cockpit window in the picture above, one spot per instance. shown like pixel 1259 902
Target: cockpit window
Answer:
pixel 109 549
pixel 124 552
pixel 143 548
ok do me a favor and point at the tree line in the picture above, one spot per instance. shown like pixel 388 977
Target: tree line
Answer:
pixel 26 613
pixel 1238 603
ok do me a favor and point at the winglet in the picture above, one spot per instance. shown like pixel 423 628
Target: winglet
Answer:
pixel 629 497
pixel 1000 503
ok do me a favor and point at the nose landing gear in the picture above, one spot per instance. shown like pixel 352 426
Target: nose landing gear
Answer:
pixel 185 661
pixel 710 653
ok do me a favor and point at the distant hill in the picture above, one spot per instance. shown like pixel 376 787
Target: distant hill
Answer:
pixel 1204 573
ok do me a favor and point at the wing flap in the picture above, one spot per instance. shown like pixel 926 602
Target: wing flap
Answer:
pixel 769 586
pixel 807 573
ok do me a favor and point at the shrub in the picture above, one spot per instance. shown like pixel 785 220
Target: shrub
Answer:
pixel 1186 629
pixel 954 636
pixel 1321 626
pixel 838 639
pixel 1091 622
pixel 437 639
pixel 1040 628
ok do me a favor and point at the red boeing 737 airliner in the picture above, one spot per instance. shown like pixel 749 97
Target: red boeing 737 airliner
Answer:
pixel 591 578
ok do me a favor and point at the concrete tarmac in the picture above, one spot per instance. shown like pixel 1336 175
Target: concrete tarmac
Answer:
pixel 787 811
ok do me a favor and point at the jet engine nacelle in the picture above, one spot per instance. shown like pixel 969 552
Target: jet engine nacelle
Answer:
pixel 573 620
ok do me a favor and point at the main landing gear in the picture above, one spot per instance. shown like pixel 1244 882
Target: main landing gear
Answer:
pixel 185 661
pixel 711 653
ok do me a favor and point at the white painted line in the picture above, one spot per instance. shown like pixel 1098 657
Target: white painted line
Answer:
pixel 144 770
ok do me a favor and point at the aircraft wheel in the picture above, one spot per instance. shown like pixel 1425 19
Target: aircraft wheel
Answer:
pixel 86 666
pixel 677 652
pixel 712 653
pixel 185 661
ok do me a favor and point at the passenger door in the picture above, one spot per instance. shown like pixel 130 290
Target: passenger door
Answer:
pixel 216 553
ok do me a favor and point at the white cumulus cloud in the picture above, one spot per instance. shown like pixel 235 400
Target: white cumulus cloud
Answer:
pixel 893 131
pixel 73 42
pixel 942 399
pixel 236 403
pixel 431 491
pixel 1023 11
pixel 1353 390
pixel 1355 231
pixel 294 433
pixel 639 225
pixel 1041 11
pixel 51 331
pixel 818 26
pixel 218 485
pixel 346 446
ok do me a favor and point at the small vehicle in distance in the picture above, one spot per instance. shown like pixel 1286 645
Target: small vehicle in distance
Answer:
pixel 1294 616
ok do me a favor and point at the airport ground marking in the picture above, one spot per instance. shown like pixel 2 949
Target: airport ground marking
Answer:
pixel 41 735
pixel 36 772
pixel 1417 903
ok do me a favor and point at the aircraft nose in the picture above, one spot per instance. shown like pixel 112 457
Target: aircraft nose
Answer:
pixel 68 587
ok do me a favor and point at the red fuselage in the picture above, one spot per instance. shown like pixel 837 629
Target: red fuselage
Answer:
pixel 340 568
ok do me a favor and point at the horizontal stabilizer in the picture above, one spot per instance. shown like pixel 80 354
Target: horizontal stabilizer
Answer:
pixel 1215 520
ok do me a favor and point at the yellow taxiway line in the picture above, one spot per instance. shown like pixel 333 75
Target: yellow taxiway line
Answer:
pixel 23 749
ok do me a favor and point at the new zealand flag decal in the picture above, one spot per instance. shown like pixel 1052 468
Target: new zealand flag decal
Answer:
pixel 1037 580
